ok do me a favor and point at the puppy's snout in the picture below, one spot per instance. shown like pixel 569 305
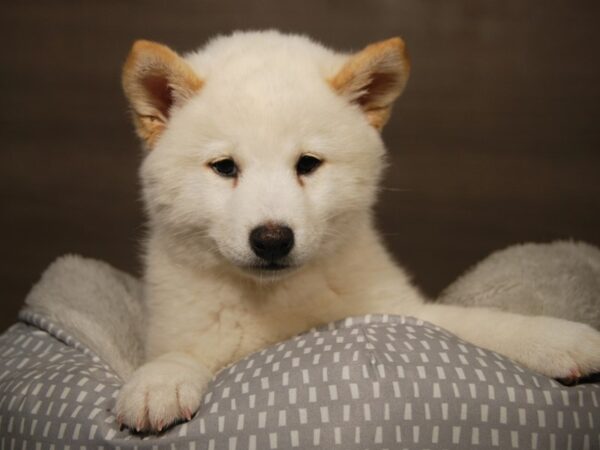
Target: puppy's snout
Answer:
pixel 271 242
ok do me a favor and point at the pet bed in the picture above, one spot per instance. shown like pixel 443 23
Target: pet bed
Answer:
pixel 371 382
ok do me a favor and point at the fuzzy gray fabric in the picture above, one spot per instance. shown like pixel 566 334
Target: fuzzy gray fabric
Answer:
pixel 372 382
pixel 380 382
pixel 561 279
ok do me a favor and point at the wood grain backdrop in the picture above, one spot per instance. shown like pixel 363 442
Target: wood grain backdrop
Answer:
pixel 494 142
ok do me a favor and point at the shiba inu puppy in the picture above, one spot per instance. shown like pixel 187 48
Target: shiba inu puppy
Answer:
pixel 264 157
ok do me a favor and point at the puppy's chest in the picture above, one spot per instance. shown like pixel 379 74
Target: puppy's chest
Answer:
pixel 223 332
pixel 256 325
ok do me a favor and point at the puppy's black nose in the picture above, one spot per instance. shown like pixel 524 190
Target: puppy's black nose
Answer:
pixel 271 242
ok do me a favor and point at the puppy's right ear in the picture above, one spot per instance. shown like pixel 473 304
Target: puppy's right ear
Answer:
pixel 156 80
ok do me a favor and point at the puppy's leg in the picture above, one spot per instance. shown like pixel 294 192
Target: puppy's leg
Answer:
pixel 554 347
pixel 162 391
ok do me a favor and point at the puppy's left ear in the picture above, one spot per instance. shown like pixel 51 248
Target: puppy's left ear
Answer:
pixel 156 80
pixel 374 77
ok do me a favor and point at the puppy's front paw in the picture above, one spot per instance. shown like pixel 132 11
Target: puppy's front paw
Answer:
pixel 558 348
pixel 162 392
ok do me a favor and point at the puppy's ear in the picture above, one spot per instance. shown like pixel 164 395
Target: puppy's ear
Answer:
pixel 374 77
pixel 155 80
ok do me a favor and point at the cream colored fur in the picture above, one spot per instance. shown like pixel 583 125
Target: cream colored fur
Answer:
pixel 264 99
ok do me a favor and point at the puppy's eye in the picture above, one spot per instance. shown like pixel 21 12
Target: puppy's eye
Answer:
pixel 307 164
pixel 225 167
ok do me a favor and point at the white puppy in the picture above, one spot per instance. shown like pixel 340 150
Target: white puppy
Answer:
pixel 263 167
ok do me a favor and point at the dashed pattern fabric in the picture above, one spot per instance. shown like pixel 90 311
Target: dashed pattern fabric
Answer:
pixel 375 382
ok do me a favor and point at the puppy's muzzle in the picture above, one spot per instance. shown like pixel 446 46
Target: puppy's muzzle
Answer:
pixel 271 242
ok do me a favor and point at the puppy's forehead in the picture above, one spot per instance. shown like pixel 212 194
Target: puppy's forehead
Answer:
pixel 267 94
pixel 243 56
pixel 265 69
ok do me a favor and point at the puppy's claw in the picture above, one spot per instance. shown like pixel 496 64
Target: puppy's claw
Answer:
pixel 572 378
pixel 120 422
pixel 187 414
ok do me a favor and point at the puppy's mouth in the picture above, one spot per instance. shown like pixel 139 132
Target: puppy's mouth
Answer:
pixel 269 266
pixel 272 266
pixel 268 269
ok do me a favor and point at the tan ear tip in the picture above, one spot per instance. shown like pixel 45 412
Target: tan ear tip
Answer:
pixel 399 45
pixel 397 42
pixel 142 51
pixel 139 49
pixel 143 45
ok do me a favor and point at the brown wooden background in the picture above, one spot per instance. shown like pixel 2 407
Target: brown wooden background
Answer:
pixel 495 141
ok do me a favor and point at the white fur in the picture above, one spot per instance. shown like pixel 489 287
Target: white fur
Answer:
pixel 264 102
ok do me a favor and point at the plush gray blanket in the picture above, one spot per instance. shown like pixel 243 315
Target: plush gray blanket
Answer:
pixel 363 383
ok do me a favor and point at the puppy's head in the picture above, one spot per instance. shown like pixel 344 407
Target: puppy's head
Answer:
pixel 264 151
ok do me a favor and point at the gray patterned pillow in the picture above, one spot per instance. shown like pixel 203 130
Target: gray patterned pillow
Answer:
pixel 364 383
